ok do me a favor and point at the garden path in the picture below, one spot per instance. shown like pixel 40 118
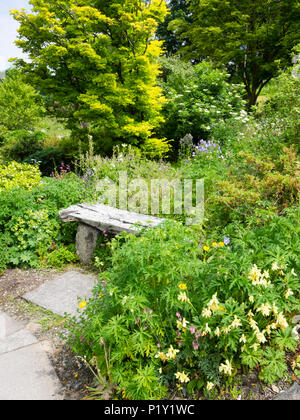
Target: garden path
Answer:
pixel 26 372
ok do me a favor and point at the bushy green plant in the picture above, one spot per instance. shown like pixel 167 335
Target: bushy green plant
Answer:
pixel 17 175
pixel 18 145
pixel 29 221
pixel 62 255
pixel 199 97
pixel 182 310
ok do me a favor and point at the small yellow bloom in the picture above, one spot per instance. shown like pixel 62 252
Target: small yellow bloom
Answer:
pixel 221 243
pixel 288 293
pixel 209 386
pixel 182 377
pixel 182 286
pixel 101 296
pixel 172 353
pixel 182 297
pixel 226 368
pixel 82 304
pixel 251 299
pixel 206 313
pixel 214 244
pixel 206 248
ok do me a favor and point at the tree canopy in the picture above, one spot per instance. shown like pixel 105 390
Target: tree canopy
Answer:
pixel 253 39
pixel 97 62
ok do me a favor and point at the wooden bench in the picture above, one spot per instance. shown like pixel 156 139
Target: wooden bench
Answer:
pixel 93 218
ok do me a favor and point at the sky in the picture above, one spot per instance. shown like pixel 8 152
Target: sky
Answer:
pixel 8 31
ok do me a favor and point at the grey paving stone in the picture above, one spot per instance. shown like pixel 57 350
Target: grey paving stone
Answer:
pixel 19 339
pixel 26 374
pixel 61 294
pixel 291 394
pixel 8 326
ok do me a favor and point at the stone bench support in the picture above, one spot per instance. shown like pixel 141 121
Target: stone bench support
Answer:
pixel 93 218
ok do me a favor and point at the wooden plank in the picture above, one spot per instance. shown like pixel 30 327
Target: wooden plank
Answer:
pixel 108 218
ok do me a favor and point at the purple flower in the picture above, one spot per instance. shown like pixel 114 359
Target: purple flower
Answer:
pixel 226 241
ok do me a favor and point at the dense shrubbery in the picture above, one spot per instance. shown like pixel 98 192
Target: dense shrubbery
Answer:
pixel 30 229
pixel 199 99
pixel 178 305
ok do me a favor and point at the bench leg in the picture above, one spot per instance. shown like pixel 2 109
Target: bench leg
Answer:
pixel 86 241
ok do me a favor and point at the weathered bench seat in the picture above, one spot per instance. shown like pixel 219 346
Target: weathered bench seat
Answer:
pixel 93 218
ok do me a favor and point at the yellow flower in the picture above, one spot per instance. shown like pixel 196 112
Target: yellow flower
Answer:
pixel 282 321
pixel 206 313
pixel 172 353
pixel 209 386
pixel 214 244
pixel 260 337
pixel 182 377
pixel 182 286
pixel 221 243
pixel 226 368
pixel 265 309
pixel 182 297
pixel 243 339
pixel 161 356
pixel 288 293
pixel 251 299
pixel 236 322
pixel 206 248
pixel 217 332
pixel 82 304
pixel 101 296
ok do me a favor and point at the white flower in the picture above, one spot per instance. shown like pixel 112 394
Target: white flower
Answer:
pixel 209 385
pixel 260 337
pixel 265 309
pixel 288 293
pixel 275 266
pixel 171 354
pixel 182 377
pixel 217 332
pixel 182 297
pixel 206 313
pixel 243 339
pixel 226 368
pixel 236 322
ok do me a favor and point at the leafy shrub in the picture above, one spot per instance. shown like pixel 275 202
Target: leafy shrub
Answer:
pixel 30 225
pixel 17 175
pixel 61 256
pixel 47 159
pixel 177 309
pixel 18 145
pixel 199 97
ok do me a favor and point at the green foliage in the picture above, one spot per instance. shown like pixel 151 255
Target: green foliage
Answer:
pixel 98 65
pixel 20 105
pixel 182 307
pixel 17 175
pixel 178 9
pixel 61 256
pixel 242 36
pixel 20 144
pixel 29 222
pixel 199 97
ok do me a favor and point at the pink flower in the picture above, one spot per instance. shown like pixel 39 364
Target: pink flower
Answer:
pixel 192 329
pixel 195 345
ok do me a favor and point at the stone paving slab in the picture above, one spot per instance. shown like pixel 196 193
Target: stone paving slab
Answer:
pixel 8 326
pixel 16 341
pixel 61 294
pixel 27 374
